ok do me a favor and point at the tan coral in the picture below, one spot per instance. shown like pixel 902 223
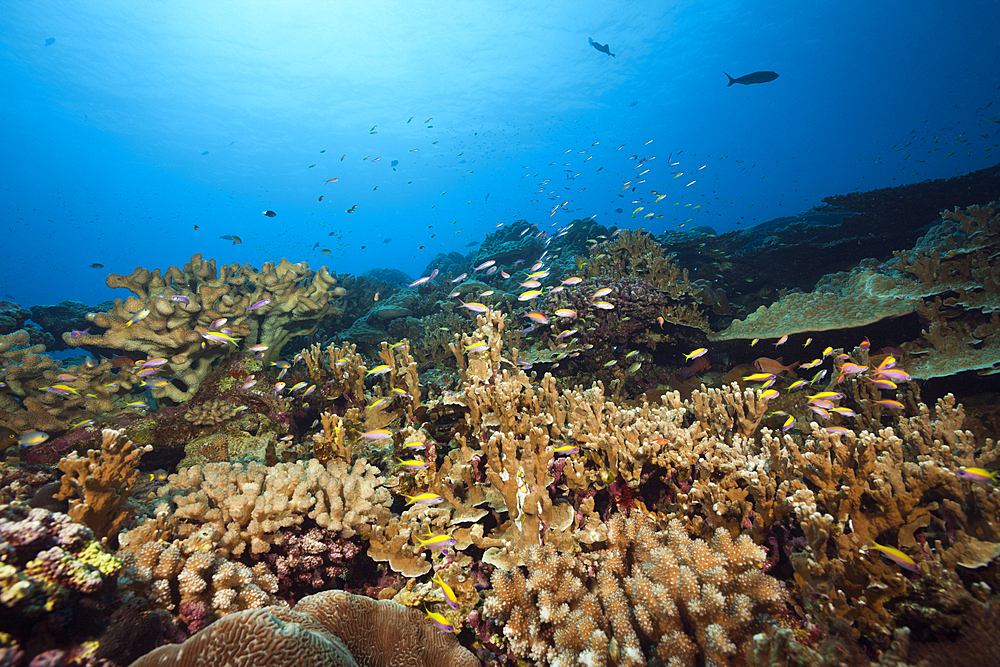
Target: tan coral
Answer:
pixel 170 576
pixel 247 505
pixel 329 629
pixel 683 597
pixel 209 413
pixel 99 485
pixel 171 314
pixel 643 258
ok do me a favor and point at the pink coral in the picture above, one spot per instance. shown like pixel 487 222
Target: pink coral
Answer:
pixel 310 559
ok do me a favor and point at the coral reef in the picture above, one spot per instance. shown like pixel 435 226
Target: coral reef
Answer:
pixel 53 575
pixel 99 485
pixel 562 493
pixel 193 316
pixel 662 595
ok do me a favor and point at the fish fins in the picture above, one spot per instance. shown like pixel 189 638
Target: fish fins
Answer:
pixel 731 80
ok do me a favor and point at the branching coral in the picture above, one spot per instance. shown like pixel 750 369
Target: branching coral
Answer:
pixel 247 505
pixel 649 593
pixel 98 486
pixel 636 254
pixel 195 579
pixel 177 315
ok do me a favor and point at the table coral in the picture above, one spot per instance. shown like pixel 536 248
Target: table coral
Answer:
pixel 950 278
pixel 171 314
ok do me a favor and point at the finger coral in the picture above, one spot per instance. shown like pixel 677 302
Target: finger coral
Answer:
pixel 98 486
pixel 245 506
pixel 662 594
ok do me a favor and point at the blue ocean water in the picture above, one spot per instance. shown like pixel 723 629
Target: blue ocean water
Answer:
pixel 138 133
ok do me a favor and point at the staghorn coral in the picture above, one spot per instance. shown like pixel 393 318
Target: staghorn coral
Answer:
pixel 433 347
pixel 649 593
pixel 840 491
pixel 244 507
pixel 98 486
pixel 330 629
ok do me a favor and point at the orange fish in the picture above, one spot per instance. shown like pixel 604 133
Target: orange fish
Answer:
pixel 768 365
pixel 699 364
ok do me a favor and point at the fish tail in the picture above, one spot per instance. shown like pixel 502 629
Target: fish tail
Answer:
pixel 731 80
pixel 611 54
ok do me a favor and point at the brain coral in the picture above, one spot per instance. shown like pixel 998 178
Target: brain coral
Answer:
pixel 329 629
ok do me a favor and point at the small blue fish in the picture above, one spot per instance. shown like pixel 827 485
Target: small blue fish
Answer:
pixel 32 438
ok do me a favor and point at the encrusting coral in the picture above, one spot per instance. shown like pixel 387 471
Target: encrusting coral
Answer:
pixel 52 571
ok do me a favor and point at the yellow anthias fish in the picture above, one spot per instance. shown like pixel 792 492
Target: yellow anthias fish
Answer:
pixel 425 499
pixel 440 541
pixel 439 620
pixel 449 594
pixel 895 555
pixel 413 464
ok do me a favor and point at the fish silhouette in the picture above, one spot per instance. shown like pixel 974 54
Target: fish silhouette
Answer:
pixel 603 48
pixel 755 77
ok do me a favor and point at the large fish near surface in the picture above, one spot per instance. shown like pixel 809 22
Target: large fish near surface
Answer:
pixel 603 48
pixel 755 77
